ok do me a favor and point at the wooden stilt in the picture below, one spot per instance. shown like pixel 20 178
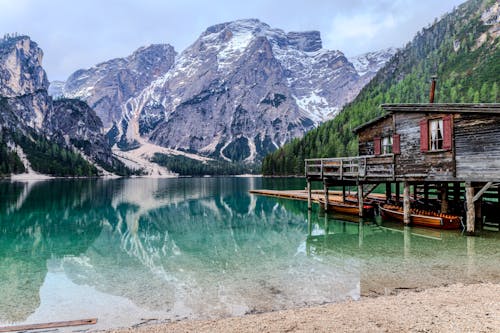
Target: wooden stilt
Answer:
pixel 388 191
pixel 309 201
pixel 343 193
pixel 398 192
pixel 444 198
pixel 406 203
pixel 415 191
pixel 426 193
pixel 360 199
pixel 325 187
pixel 471 211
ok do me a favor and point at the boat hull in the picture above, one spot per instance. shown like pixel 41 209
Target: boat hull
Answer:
pixel 422 220
pixel 344 208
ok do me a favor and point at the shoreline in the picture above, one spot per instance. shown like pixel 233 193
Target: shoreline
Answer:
pixel 452 308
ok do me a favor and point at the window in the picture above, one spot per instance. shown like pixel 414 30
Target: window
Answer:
pixel 387 145
pixel 435 134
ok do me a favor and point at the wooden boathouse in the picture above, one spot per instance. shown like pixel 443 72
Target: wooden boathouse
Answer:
pixel 446 154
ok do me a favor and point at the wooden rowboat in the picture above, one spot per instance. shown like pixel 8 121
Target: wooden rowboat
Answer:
pixel 422 218
pixel 349 208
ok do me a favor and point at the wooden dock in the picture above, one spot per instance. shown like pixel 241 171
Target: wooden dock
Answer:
pixel 317 196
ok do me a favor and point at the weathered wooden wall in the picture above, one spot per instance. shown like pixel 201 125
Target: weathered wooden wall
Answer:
pixel 477 146
pixel 412 162
pixel 365 137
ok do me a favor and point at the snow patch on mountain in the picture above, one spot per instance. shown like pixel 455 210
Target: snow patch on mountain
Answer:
pixel 371 62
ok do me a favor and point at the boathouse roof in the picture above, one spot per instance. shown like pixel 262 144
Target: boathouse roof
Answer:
pixel 486 108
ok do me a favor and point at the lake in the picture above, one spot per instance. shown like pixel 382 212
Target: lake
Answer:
pixel 130 250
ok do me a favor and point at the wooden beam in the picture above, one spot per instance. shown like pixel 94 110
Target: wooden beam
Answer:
pixel 471 211
pixel 360 199
pixel 481 191
pixel 80 322
pixel 406 203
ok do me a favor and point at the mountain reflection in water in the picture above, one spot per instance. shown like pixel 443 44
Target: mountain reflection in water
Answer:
pixel 202 248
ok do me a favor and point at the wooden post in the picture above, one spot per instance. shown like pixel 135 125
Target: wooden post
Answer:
pixel 415 192
pixel 343 193
pixel 426 193
pixel 388 191
pixel 360 199
pixel 398 196
pixel 325 187
pixel 406 203
pixel 471 211
pixel 444 198
pixel 309 205
pixel 478 212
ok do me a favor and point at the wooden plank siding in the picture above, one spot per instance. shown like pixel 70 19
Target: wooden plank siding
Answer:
pixel 412 162
pixel 477 146
pixel 382 128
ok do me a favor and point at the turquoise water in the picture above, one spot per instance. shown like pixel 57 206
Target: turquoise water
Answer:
pixel 128 250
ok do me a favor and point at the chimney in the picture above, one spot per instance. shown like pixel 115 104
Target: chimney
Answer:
pixel 433 88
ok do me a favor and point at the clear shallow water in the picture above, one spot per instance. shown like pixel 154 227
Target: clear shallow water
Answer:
pixel 133 249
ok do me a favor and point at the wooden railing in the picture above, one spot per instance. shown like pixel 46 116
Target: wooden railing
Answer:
pixel 359 167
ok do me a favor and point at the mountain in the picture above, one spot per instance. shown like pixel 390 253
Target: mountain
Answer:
pixel 462 48
pixel 64 138
pixel 241 90
pixel 368 64
pixel 56 89
pixel 108 85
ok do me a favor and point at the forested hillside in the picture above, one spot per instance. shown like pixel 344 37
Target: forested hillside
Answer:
pixel 462 49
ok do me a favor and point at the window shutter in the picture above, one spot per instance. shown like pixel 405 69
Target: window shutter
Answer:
pixel 424 135
pixel 396 145
pixel 376 145
pixel 447 132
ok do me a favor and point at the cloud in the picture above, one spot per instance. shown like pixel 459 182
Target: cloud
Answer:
pixel 360 26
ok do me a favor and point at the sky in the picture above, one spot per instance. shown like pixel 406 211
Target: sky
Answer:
pixel 80 34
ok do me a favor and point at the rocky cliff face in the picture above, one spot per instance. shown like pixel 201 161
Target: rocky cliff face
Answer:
pixel 80 127
pixel 239 91
pixel 23 82
pixel 107 86
pixel 26 108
